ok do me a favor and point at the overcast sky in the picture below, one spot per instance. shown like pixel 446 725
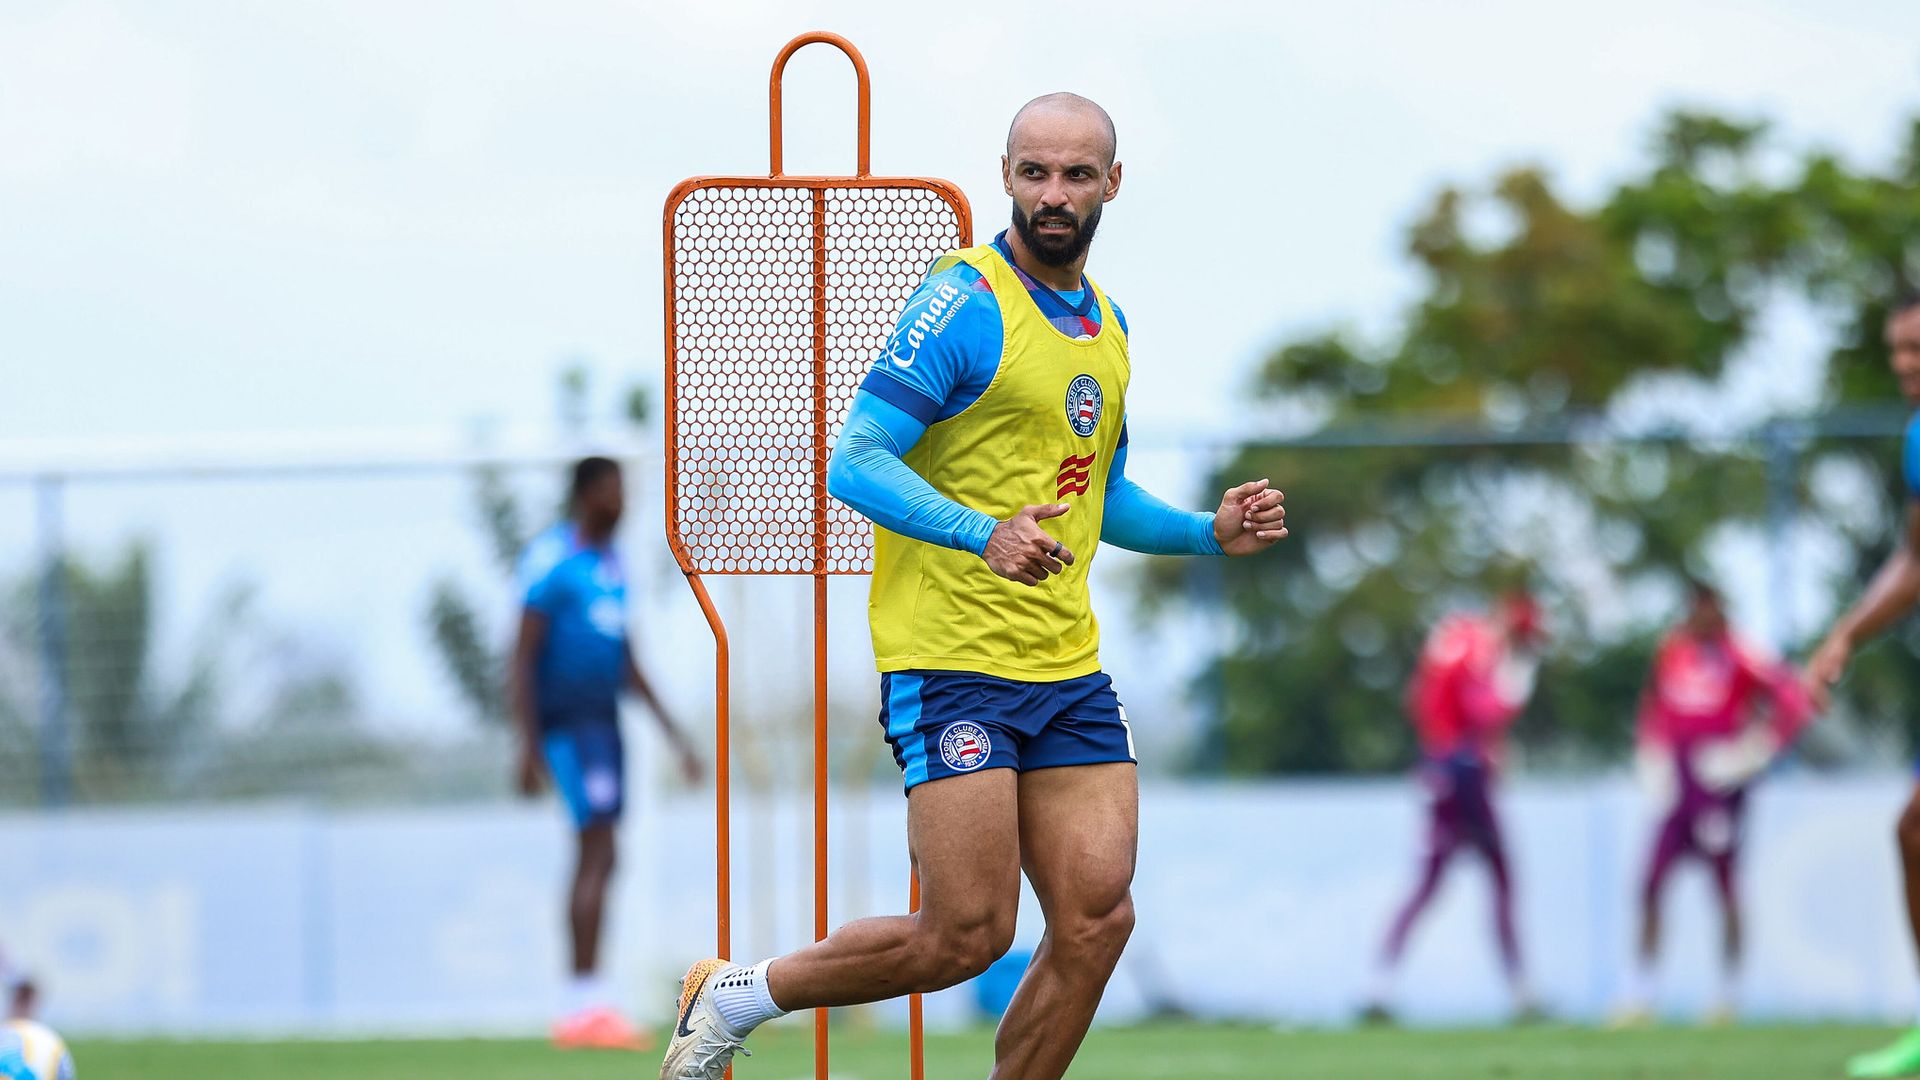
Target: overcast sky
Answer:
pixel 325 218
pixel 326 215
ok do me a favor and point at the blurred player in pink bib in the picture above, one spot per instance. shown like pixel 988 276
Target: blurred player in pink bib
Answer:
pixel 1699 749
pixel 1474 676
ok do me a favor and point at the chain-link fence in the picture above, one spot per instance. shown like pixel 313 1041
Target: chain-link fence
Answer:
pixel 335 629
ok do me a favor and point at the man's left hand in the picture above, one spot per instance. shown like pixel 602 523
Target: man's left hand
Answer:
pixel 1251 518
pixel 690 767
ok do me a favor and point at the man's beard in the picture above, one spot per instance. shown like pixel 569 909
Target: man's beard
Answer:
pixel 1056 250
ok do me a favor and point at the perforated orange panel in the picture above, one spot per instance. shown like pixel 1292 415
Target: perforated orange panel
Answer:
pixel 780 294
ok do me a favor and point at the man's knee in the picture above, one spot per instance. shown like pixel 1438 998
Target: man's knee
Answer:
pixel 1100 934
pixel 953 952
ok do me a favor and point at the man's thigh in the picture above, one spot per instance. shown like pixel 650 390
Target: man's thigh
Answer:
pixel 1079 834
pixel 944 724
pixel 964 836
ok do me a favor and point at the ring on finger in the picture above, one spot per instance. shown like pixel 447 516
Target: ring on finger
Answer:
pixel 1058 547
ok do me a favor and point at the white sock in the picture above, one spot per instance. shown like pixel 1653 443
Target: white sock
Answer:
pixel 743 1000
pixel 589 991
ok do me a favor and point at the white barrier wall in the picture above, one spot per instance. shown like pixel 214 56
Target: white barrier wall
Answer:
pixel 1257 901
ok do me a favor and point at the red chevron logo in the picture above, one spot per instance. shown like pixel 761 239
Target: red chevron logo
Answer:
pixel 1076 474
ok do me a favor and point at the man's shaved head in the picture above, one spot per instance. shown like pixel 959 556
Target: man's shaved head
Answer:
pixel 1052 109
pixel 1060 171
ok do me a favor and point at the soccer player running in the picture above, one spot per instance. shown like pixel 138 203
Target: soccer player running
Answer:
pixel 989 446
pixel 1891 595
pixel 1698 753
pixel 1473 677
pixel 570 663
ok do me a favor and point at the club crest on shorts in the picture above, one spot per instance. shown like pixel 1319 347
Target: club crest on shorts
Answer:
pixel 1083 404
pixel 964 746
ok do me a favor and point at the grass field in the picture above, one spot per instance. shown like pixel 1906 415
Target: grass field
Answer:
pixel 1163 1053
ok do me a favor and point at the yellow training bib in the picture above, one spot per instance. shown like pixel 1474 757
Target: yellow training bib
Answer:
pixel 1043 432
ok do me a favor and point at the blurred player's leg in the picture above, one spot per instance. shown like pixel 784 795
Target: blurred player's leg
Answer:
pixel 1482 826
pixel 1079 831
pixel 1432 870
pixel 1443 831
pixel 1903 1057
pixel 587 767
pixel 592 872
pixel 1668 844
pixel 1506 934
pixel 1717 836
pixel 1732 938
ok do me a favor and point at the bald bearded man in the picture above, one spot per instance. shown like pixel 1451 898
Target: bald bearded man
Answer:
pixel 988 445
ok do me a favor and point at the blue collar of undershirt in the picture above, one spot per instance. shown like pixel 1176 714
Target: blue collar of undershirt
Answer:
pixel 1041 289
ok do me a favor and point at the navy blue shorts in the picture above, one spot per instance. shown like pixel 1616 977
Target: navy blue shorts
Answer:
pixel 588 766
pixel 946 723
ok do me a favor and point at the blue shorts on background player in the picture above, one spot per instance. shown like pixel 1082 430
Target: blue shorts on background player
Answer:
pixel 570 664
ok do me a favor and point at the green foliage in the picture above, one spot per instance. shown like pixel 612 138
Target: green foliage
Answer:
pixel 140 732
pixel 477 670
pixel 1536 317
pixel 638 406
pixel 500 516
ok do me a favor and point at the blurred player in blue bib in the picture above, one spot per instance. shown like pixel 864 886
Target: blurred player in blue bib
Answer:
pixel 1888 598
pixel 571 662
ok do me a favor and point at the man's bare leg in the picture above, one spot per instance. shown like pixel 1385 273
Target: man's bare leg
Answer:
pixel 1732 938
pixel 964 835
pixel 587 899
pixel 1079 833
pixel 1909 831
pixel 1902 1058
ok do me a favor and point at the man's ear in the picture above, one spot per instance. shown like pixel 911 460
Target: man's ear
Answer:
pixel 1006 174
pixel 1113 182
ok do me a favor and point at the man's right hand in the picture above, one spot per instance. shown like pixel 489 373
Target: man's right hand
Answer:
pixel 1019 550
pixel 1827 664
pixel 530 773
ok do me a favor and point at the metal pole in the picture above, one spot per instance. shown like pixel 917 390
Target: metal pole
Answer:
pixel 820 527
pixel 56 757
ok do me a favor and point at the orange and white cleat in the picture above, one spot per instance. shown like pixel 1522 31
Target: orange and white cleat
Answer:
pixel 599 1029
pixel 702 1045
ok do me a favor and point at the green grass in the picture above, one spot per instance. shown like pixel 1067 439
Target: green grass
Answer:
pixel 1172 1053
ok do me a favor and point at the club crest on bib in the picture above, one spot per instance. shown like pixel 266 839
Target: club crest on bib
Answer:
pixel 1083 404
pixel 964 746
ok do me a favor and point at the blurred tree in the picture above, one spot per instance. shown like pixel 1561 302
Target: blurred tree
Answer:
pixel 140 732
pixel 1537 321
